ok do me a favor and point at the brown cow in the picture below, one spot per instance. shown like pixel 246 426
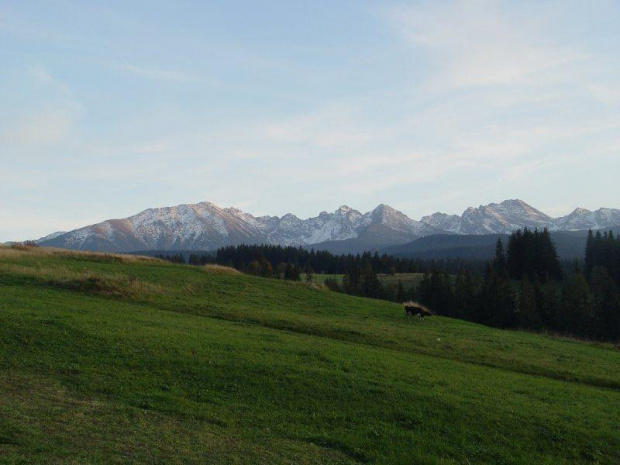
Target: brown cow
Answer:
pixel 416 309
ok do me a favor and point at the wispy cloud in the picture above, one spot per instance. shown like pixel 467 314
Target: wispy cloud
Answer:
pixel 159 74
pixel 474 43
pixel 41 130
pixel 606 94
pixel 49 123
pixel 334 126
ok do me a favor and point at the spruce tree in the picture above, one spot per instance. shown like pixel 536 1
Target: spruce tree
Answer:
pixel 589 257
pixel 499 264
pixel 528 311
pixel 606 305
pixel 370 285
pixel 574 311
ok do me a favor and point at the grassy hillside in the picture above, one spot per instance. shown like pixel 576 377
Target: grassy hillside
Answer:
pixel 112 359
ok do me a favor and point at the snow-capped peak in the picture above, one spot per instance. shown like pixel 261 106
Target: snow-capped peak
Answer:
pixel 205 226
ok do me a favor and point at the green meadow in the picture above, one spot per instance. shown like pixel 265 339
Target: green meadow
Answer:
pixel 114 359
pixel 408 280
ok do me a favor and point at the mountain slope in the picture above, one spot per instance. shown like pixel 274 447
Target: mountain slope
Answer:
pixel 580 218
pixel 206 226
pixel 505 217
pixel 500 218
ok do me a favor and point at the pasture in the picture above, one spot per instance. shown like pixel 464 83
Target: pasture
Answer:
pixel 409 280
pixel 107 358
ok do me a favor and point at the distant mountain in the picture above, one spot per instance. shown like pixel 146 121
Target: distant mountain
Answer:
pixel 509 215
pixel 581 218
pixel 49 237
pixel 502 218
pixel 205 226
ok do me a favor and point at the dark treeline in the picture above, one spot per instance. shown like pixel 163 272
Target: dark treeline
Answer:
pixel 174 258
pixel 524 287
pixel 603 252
pixel 242 257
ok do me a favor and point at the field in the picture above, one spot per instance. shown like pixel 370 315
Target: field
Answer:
pixel 409 280
pixel 321 277
pixel 108 359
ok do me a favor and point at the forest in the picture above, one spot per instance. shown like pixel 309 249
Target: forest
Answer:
pixel 525 285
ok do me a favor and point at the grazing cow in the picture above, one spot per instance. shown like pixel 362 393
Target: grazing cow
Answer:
pixel 416 309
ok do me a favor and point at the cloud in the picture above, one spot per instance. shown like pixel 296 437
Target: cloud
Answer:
pixel 49 121
pixel 607 94
pixel 476 43
pixel 158 74
pixel 41 130
pixel 329 127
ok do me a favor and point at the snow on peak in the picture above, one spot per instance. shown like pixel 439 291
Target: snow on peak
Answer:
pixel 205 226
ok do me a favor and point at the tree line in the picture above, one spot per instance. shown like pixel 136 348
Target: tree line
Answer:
pixel 244 258
pixel 524 286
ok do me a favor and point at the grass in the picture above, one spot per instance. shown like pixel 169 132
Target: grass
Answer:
pixel 409 280
pixel 321 277
pixel 108 359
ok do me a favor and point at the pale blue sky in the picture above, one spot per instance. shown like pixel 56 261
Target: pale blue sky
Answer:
pixel 111 107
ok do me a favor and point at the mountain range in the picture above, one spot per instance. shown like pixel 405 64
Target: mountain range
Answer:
pixel 206 226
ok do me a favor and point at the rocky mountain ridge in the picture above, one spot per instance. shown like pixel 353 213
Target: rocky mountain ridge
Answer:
pixel 206 226
pixel 505 217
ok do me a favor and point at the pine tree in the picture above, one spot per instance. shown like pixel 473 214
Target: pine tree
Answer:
pixel 352 280
pixel 497 301
pixel 499 264
pixel 606 305
pixel 459 295
pixel 288 271
pixel 574 311
pixel 528 311
pixel 370 284
pixel 548 306
pixel 589 258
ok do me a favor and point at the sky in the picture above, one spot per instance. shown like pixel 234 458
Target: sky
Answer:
pixel 111 107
